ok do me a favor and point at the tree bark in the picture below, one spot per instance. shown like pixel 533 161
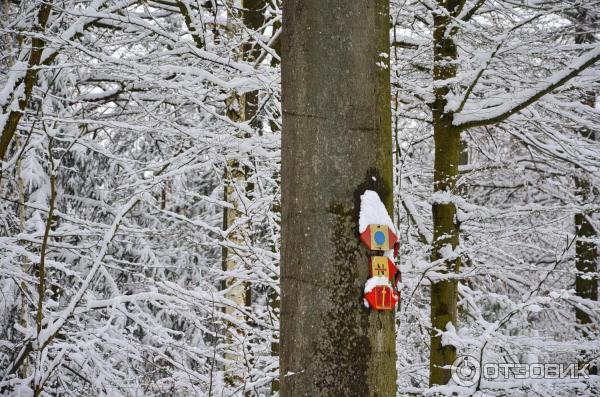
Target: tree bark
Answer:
pixel 336 143
pixel 586 284
pixel 444 293
pixel 586 249
pixel 587 256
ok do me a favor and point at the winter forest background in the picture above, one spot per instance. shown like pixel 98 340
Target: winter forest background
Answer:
pixel 140 192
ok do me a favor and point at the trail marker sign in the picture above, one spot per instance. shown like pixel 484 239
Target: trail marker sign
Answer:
pixel 382 297
pixel 378 238
pixel 378 233
pixel 382 266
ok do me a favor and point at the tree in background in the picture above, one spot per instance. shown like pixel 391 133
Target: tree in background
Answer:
pixel 247 16
pixel 120 153
pixel 587 22
pixel 500 76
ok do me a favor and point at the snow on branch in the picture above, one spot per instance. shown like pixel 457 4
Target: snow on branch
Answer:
pixel 495 114
pixel 54 326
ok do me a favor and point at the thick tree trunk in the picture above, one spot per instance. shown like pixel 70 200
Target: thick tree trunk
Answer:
pixel 444 293
pixel 336 143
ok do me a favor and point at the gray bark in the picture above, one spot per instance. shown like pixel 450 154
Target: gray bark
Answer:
pixel 336 143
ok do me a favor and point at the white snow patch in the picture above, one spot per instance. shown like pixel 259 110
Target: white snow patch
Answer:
pixel 373 212
pixel 3 118
pixel 451 337
pixel 448 253
pixel 534 308
pixel 390 254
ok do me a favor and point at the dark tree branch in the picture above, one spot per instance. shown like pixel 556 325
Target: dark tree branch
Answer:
pixel 35 58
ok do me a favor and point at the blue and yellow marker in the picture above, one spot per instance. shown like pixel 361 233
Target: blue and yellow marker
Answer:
pixel 378 238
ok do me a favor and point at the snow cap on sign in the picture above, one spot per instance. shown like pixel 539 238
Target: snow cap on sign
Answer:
pixel 373 212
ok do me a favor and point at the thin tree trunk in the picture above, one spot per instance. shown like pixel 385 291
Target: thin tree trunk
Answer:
pixel 586 252
pixel 586 248
pixel 24 306
pixel 22 310
pixel 274 298
pixel 444 293
pixel 38 379
pixel 336 143
pixel 235 290
pixel 587 256
pixel 240 108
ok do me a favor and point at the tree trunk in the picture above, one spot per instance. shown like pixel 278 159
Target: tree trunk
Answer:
pixel 240 108
pixel 586 250
pixel 587 257
pixel 444 293
pixel 336 143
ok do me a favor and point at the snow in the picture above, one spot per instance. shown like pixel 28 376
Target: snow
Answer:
pixel 16 72
pixel 3 118
pixel 373 212
pixel 146 280
pixel 500 106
